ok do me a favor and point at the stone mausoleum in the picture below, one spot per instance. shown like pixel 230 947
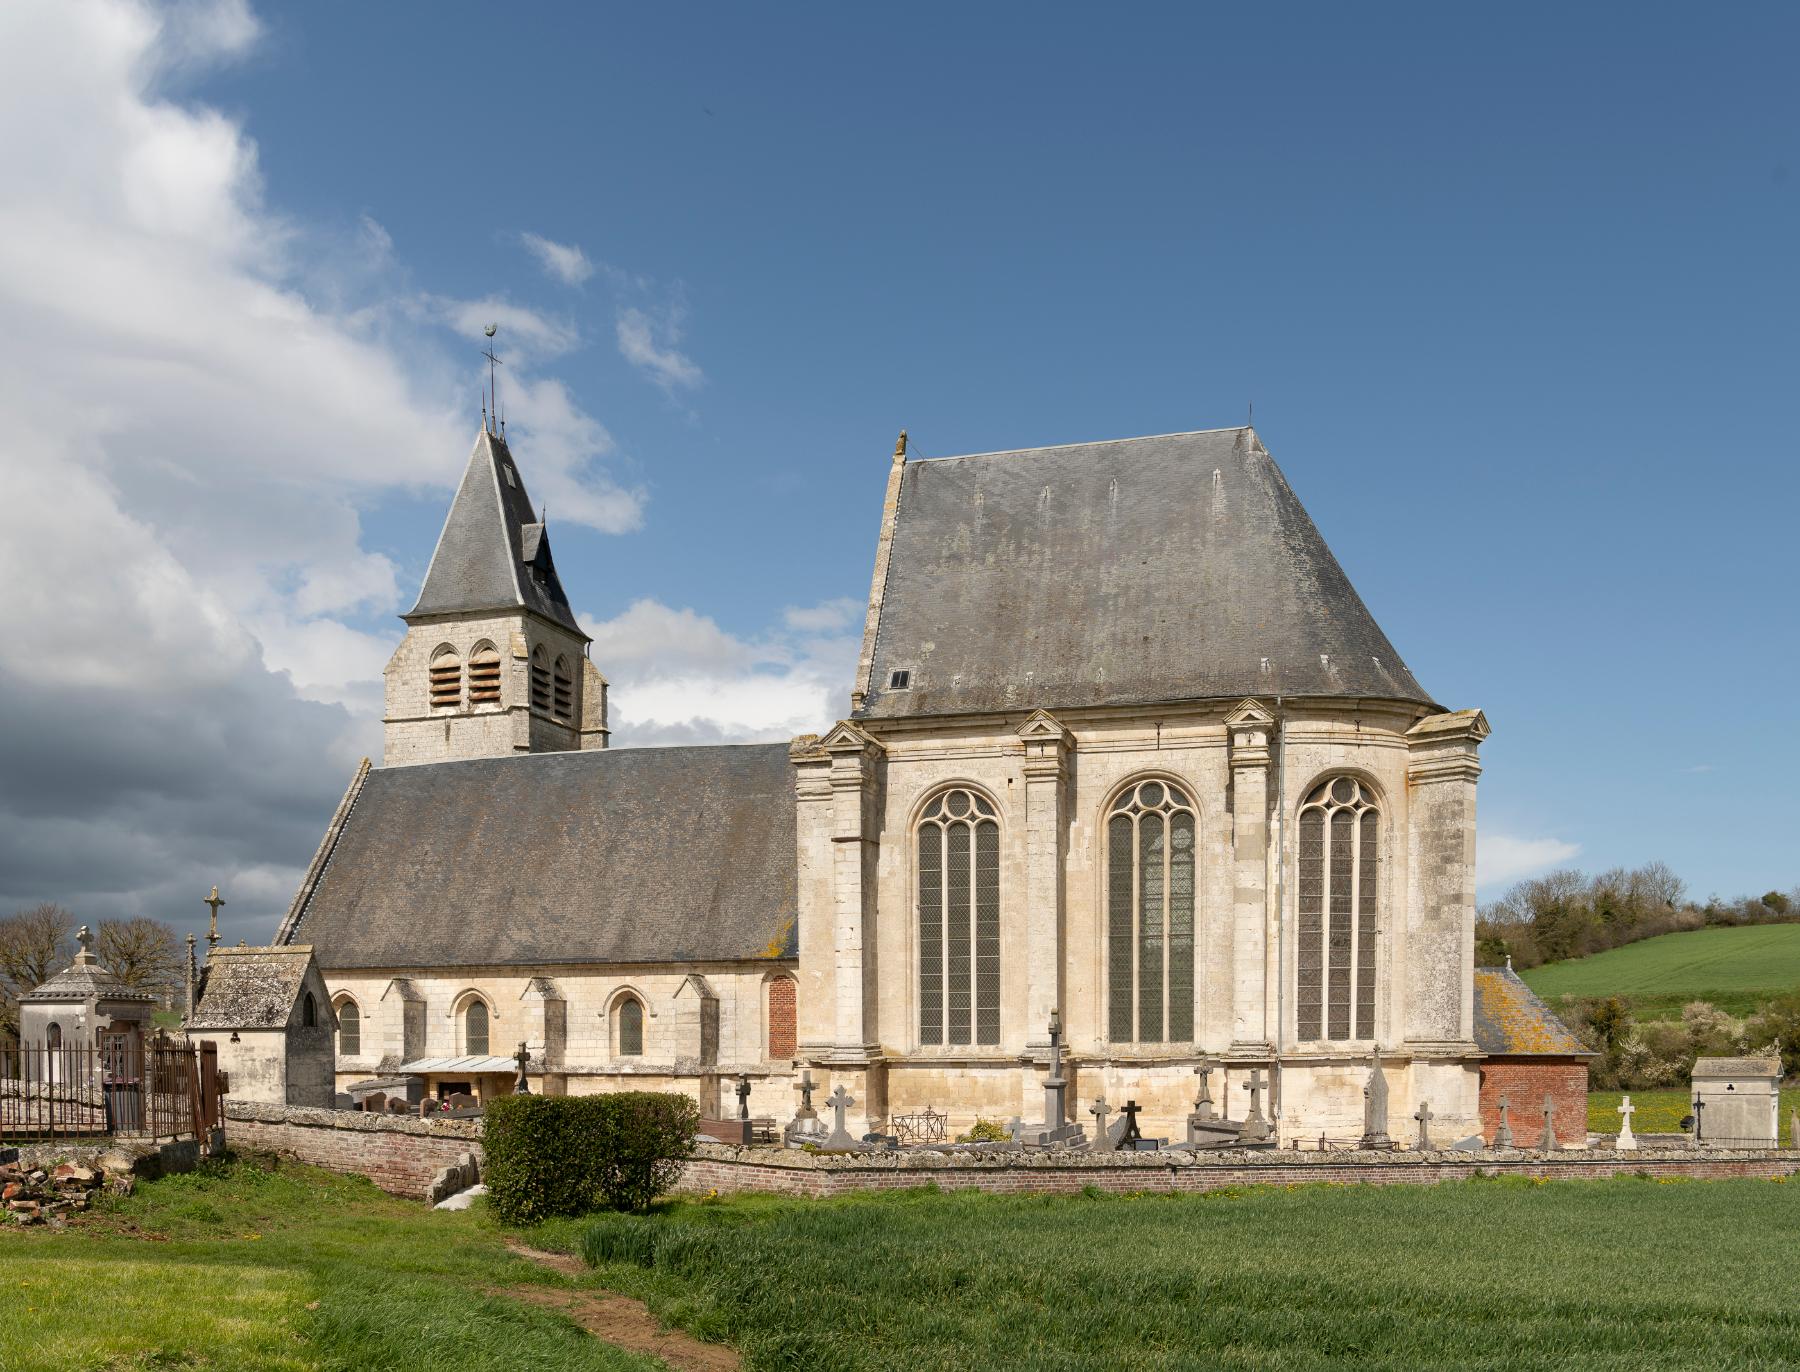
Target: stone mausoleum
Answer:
pixel 1123 745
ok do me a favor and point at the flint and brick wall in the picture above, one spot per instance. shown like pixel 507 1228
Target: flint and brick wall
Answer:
pixel 718 1167
pixel 1525 1082
pixel 399 1153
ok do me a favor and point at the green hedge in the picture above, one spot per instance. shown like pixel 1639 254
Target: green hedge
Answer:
pixel 564 1155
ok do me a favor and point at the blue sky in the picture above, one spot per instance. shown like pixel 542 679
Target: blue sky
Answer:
pixel 1513 294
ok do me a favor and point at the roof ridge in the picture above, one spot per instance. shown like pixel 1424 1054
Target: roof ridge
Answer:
pixel 1086 443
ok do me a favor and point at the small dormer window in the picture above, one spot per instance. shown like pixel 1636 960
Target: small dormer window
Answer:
pixel 511 478
pixel 899 681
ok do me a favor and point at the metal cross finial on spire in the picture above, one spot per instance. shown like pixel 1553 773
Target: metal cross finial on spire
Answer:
pixel 215 901
pixel 493 408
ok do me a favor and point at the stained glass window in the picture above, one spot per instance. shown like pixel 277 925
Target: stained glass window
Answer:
pixel 1150 886
pixel 1338 909
pixel 958 847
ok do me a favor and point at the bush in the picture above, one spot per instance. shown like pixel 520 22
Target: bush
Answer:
pixel 563 1155
pixel 985 1131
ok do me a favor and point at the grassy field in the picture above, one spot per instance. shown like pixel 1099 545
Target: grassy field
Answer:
pixel 243 1268
pixel 1658 1112
pixel 296 1269
pixel 1735 969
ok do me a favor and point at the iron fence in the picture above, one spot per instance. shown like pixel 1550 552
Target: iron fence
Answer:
pixel 159 1088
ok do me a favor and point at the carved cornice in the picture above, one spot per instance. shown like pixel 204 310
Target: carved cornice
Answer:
pixel 1047 745
pixel 1251 727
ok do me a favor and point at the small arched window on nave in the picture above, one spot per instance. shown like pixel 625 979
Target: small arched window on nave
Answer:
pixel 1337 905
pixel 631 1027
pixel 1150 851
pixel 349 1029
pixel 958 847
pixel 446 679
pixel 475 1029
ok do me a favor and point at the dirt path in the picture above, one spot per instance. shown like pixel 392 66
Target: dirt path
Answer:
pixel 618 1320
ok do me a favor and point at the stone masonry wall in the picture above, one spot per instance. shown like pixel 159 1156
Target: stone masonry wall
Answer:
pixel 399 1153
pixel 1525 1083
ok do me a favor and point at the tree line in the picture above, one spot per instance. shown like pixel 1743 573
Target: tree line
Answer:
pixel 1570 914
pixel 37 943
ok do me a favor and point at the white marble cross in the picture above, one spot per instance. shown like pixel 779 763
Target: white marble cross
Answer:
pixel 1626 1138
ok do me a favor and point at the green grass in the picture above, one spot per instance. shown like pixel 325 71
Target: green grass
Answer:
pixel 1735 969
pixel 239 1267
pixel 1657 1112
pixel 1625 1274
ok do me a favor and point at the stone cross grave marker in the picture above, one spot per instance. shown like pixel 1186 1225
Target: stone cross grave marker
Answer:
pixel 806 1126
pixel 1503 1133
pixel 1548 1143
pixel 1203 1105
pixel 1626 1139
pixel 1055 1085
pixel 1424 1116
pixel 1132 1135
pixel 743 1095
pixel 521 1087
pixel 840 1141
pixel 805 1087
pixel 1099 1110
pixel 1256 1128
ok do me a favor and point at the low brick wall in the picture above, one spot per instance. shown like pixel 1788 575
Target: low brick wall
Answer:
pixel 718 1167
pixel 399 1153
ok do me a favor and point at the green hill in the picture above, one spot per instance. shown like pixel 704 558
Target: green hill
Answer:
pixel 1736 969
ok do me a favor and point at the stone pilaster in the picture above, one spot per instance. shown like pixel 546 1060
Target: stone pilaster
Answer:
pixel 816 994
pixel 1047 746
pixel 1251 727
pixel 402 1024
pixel 856 847
pixel 1440 883
pixel 546 1016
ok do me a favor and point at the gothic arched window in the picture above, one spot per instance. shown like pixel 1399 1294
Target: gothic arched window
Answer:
pixel 309 1012
pixel 349 1029
pixel 563 697
pixel 446 679
pixel 959 921
pixel 540 681
pixel 475 1029
pixel 1150 842
pixel 1340 864
pixel 484 675
pixel 631 1027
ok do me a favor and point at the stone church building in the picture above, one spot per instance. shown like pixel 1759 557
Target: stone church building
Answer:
pixel 1123 746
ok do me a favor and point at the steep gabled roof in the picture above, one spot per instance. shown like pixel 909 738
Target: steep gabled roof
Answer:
pixel 494 553
pixel 635 855
pixel 1510 1021
pixel 251 988
pixel 1136 571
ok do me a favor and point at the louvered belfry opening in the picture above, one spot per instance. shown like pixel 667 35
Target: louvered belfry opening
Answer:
pixel 959 921
pixel 1150 851
pixel 563 690
pixel 446 679
pixel 540 682
pixel 1340 857
pixel 484 675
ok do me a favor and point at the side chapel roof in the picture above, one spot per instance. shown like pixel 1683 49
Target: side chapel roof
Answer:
pixel 494 552
pixel 1510 1021
pixel 250 988
pixel 632 855
pixel 1134 571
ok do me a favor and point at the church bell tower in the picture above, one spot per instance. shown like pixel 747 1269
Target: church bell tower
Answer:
pixel 493 662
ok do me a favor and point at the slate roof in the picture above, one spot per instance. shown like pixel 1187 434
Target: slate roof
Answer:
pixel 1510 1021
pixel 1178 567
pixel 494 553
pixel 85 981
pixel 615 856
pixel 251 988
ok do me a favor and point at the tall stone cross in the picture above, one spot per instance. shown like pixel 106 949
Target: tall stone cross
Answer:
pixel 215 901
pixel 743 1095
pixel 1256 1128
pixel 805 1087
pixel 1548 1143
pixel 1424 1116
pixel 521 1087
pixel 1626 1139
pixel 840 1100
pixel 1131 1134
pixel 1099 1110
pixel 1203 1106
pixel 1055 1085
pixel 1503 1133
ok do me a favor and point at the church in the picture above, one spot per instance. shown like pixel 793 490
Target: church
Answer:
pixel 1124 748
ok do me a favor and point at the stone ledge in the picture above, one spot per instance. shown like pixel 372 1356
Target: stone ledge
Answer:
pixel 356 1121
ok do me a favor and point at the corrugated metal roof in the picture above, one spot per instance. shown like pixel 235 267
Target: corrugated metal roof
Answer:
pixel 466 1064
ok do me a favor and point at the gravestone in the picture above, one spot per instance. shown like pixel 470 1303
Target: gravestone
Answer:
pixel 743 1095
pixel 840 1139
pixel 1626 1140
pixel 1256 1128
pixel 1503 1135
pixel 1794 1129
pixel 1375 1107
pixel 521 1087
pixel 1203 1104
pixel 806 1126
pixel 1131 1136
pixel 1547 1144
pixel 1424 1116
pixel 1737 1101
pixel 1057 1127
pixel 1099 1110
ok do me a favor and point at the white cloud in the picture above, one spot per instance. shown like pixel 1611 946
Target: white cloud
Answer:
pixel 828 616
pixel 565 261
pixel 649 342
pixel 677 677
pixel 1501 858
pixel 201 392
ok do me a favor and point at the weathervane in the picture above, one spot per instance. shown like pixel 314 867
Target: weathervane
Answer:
pixel 212 934
pixel 493 394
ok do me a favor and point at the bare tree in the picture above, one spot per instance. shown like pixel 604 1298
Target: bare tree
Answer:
pixel 34 946
pixel 141 952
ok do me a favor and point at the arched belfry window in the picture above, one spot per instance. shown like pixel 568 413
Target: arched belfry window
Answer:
pixel 563 690
pixel 1150 842
pixel 484 675
pixel 958 844
pixel 1340 869
pixel 446 679
pixel 349 1029
pixel 475 1029
pixel 540 681
pixel 631 1027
